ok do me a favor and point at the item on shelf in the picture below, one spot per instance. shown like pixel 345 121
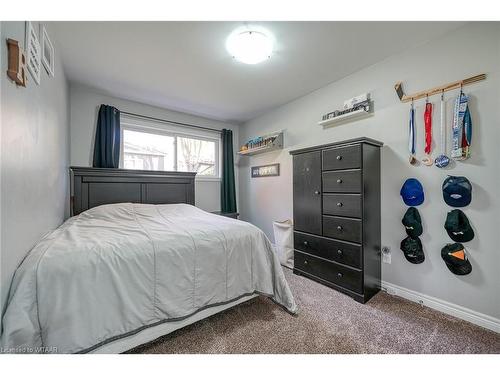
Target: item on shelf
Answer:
pixel 427 160
pixel 442 160
pixel 353 102
pixel 412 250
pixel 457 191
pixel 337 113
pixel 456 259
pixel 458 226
pixel 262 144
pixel 411 136
pixel 412 222
pixel 462 128
pixel 412 192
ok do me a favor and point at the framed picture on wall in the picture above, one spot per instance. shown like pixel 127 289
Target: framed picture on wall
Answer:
pixel 48 54
pixel 266 170
pixel 33 52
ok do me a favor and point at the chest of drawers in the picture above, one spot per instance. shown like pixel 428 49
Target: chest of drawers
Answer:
pixel 336 209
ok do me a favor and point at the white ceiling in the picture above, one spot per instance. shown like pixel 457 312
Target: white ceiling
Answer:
pixel 184 65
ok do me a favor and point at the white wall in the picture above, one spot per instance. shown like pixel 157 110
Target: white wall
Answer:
pixel 85 104
pixel 470 50
pixel 34 158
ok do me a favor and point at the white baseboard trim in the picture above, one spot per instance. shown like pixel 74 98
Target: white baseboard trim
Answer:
pixel 457 311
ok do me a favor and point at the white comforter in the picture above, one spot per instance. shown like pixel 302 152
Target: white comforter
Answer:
pixel 116 269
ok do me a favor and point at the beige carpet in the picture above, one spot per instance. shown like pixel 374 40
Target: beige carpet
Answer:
pixel 328 322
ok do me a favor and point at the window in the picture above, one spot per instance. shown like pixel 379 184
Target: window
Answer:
pixel 196 155
pixel 159 147
pixel 148 151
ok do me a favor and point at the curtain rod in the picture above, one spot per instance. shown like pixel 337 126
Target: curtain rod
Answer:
pixel 171 122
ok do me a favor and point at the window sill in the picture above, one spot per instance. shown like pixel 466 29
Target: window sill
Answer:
pixel 209 179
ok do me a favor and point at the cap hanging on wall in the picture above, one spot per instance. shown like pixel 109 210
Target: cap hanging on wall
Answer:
pixel 458 227
pixel 457 191
pixel 456 259
pixel 412 222
pixel 412 192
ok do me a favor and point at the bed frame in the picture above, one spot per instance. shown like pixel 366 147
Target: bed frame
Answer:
pixel 91 187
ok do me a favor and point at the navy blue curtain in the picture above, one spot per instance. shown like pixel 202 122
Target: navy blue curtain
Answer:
pixel 107 138
pixel 228 190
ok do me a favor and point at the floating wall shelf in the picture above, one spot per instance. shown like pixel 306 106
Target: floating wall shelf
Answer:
pixel 354 115
pixel 276 144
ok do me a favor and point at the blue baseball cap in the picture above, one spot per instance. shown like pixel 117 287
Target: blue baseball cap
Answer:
pixel 457 191
pixel 412 192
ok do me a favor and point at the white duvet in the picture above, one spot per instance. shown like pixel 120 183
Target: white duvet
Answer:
pixel 116 269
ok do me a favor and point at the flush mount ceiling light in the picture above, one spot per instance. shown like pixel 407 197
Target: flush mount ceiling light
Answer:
pixel 250 44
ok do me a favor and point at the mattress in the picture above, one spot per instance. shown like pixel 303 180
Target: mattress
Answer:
pixel 115 270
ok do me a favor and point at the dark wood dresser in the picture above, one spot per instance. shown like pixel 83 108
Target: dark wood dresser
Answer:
pixel 336 210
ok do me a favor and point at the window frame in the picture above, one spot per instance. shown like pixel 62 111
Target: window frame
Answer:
pixel 158 128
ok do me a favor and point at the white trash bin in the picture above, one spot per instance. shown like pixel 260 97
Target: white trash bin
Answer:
pixel 283 241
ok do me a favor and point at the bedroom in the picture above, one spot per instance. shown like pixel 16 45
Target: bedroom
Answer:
pixel 241 187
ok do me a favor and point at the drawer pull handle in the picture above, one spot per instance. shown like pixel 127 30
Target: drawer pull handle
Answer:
pixel 339 275
pixel 339 181
pixel 306 243
pixel 340 252
pixel 339 157
pixel 316 192
pixel 340 204
pixel 305 263
pixel 339 228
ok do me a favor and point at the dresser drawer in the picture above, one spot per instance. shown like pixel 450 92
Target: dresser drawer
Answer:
pixel 342 205
pixel 348 157
pixel 342 228
pixel 342 182
pixel 338 251
pixel 329 271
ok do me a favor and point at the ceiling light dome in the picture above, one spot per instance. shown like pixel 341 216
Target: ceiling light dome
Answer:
pixel 250 45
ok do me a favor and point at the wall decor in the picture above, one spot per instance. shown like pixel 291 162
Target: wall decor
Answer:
pixel 16 70
pixel 48 55
pixel 263 143
pixel 354 108
pixel 266 170
pixel 33 52
pixel 436 90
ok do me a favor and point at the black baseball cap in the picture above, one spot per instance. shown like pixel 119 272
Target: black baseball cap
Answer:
pixel 458 227
pixel 412 222
pixel 457 191
pixel 456 259
pixel 412 249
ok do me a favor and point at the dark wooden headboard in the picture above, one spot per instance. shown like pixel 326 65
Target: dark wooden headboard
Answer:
pixel 92 187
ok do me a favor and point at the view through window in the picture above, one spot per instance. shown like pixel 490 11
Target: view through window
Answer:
pixel 150 150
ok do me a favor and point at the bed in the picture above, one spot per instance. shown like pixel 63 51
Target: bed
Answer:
pixel 120 274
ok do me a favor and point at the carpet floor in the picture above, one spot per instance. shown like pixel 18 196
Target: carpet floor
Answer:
pixel 327 322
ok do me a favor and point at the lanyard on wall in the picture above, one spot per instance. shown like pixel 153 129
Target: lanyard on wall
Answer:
pixel 411 135
pixel 442 160
pixel 462 128
pixel 427 160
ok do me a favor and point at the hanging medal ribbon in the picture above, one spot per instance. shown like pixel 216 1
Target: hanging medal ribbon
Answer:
pixel 427 160
pixel 442 160
pixel 411 136
pixel 467 134
pixel 462 128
